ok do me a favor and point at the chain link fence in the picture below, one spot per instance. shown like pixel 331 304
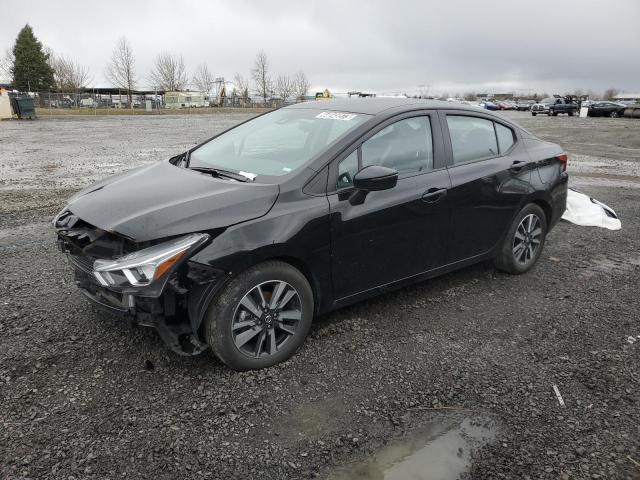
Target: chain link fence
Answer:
pixel 102 102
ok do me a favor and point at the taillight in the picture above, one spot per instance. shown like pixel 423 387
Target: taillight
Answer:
pixel 564 159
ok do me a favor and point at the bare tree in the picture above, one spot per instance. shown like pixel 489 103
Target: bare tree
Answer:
pixel 68 74
pixel 470 96
pixel 6 65
pixel 301 85
pixel 609 93
pixel 241 85
pixel 121 68
pixel 260 75
pixel 203 79
pixel 169 73
pixel 284 87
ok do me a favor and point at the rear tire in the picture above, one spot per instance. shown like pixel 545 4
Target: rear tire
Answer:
pixel 533 113
pixel 522 245
pixel 261 317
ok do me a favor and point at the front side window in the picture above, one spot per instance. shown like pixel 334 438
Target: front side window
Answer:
pixel 472 138
pixel 276 143
pixel 405 146
pixel 347 168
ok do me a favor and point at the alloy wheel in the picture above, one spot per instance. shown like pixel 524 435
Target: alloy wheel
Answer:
pixel 526 240
pixel 266 318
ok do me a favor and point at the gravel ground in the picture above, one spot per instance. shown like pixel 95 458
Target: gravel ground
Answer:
pixel 86 396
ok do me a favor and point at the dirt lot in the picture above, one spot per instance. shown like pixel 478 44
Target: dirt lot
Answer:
pixel 84 395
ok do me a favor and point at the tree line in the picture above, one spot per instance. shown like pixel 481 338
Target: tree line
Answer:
pixel 32 66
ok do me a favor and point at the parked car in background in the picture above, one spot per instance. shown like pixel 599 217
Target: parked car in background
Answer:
pixel 606 109
pixel 489 105
pixel 236 244
pixel 554 106
pixel 563 105
pixel 524 105
pixel 542 107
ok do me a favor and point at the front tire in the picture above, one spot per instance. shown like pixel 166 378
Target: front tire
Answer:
pixel 533 114
pixel 522 245
pixel 261 317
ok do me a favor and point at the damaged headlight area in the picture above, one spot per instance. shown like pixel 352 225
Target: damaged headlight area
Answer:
pixel 145 267
pixel 150 284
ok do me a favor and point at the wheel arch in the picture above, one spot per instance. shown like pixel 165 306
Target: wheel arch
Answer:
pixel 546 208
pixel 199 302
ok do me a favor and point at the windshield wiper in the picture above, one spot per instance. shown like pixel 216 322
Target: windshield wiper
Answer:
pixel 221 173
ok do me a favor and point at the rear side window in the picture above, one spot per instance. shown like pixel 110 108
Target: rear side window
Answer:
pixel 472 138
pixel 505 137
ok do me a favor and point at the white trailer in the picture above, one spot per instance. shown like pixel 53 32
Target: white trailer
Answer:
pixel 186 99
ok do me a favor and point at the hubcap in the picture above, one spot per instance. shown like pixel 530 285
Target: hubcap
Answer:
pixel 266 318
pixel 527 239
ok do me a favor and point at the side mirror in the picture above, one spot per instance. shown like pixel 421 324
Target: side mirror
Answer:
pixel 372 179
pixel 375 178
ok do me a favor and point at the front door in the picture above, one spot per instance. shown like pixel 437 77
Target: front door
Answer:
pixel 395 233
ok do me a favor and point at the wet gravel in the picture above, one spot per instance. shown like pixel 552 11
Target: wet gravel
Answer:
pixel 86 396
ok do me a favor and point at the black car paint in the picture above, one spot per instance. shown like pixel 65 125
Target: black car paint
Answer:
pixel 162 200
pixel 606 109
pixel 428 224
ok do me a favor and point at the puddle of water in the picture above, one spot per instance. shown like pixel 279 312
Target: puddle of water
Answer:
pixel 612 264
pixel 438 452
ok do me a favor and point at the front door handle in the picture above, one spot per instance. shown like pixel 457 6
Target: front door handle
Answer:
pixel 517 166
pixel 433 195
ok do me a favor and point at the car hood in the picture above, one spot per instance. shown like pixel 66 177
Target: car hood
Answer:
pixel 162 200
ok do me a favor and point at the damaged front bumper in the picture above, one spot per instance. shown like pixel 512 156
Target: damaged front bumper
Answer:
pixel 173 303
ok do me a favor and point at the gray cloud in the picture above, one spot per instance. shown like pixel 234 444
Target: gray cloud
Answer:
pixel 453 45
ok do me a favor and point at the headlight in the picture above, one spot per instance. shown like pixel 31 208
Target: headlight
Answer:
pixel 145 266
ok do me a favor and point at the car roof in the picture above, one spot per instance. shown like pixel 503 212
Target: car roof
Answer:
pixel 375 106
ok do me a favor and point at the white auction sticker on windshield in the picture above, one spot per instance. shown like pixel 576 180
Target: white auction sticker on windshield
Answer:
pixel 337 116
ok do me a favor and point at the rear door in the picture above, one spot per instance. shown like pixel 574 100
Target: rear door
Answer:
pixel 490 173
pixel 395 233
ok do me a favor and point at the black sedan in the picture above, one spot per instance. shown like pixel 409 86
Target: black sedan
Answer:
pixel 606 109
pixel 238 243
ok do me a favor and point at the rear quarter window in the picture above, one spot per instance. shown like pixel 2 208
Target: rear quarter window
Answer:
pixel 506 138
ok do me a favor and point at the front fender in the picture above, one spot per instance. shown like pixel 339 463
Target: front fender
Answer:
pixel 296 231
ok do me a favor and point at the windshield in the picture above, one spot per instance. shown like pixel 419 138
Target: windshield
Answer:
pixel 548 100
pixel 276 143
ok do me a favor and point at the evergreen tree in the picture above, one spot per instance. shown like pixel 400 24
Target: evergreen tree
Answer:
pixel 30 67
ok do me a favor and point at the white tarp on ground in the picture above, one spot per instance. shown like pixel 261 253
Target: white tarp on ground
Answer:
pixel 585 211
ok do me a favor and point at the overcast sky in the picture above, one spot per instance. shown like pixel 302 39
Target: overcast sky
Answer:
pixel 383 46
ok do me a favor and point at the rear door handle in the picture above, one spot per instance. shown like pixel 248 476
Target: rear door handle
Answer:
pixel 517 166
pixel 434 194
